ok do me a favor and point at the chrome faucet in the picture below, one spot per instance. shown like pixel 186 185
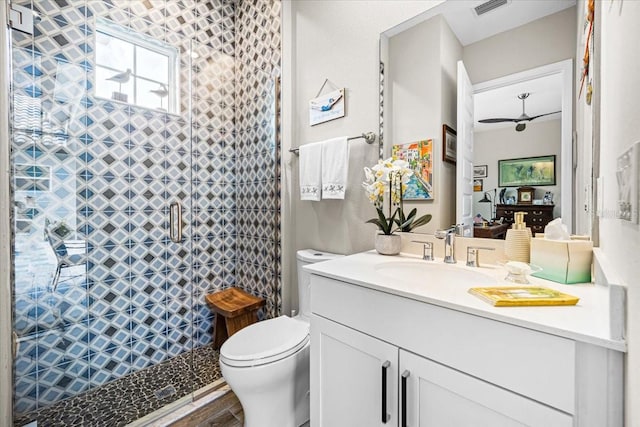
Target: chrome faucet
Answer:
pixel 449 243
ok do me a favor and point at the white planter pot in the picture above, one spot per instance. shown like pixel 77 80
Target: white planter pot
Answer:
pixel 388 244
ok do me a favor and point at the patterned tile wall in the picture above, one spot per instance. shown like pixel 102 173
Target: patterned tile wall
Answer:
pixel 139 298
pixel 258 151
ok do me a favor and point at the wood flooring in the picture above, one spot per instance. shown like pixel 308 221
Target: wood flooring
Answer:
pixel 225 411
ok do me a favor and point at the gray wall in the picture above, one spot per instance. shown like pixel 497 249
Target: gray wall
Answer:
pixel 544 41
pixel 620 128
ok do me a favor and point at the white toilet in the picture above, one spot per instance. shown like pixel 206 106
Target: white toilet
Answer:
pixel 267 363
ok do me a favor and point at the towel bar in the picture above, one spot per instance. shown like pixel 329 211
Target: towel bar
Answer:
pixel 369 137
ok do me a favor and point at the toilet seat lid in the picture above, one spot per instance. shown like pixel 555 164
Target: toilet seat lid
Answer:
pixel 265 342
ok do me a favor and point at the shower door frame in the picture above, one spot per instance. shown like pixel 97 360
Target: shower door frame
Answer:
pixel 7 260
pixel 6 342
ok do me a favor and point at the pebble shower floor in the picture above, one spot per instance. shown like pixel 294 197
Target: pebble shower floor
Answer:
pixel 133 396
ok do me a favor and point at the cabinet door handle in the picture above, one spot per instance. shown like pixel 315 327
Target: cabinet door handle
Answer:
pixel 385 417
pixel 403 420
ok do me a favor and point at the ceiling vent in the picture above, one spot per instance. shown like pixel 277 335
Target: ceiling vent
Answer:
pixel 489 6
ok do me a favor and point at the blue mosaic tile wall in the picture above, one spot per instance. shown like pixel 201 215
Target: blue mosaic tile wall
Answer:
pixel 136 298
pixel 258 151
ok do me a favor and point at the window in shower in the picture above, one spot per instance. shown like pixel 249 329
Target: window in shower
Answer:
pixel 136 69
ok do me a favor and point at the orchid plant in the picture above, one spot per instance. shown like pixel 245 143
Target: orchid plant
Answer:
pixel 388 179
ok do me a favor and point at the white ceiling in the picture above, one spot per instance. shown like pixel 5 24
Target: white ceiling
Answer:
pixel 545 96
pixel 470 28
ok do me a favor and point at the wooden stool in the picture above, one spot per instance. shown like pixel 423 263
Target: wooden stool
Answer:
pixel 234 309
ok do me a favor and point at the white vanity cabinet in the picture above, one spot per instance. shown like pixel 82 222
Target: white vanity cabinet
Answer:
pixel 436 395
pixel 460 369
pixel 356 377
pixel 363 381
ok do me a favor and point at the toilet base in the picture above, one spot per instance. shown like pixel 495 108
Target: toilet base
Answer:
pixel 275 394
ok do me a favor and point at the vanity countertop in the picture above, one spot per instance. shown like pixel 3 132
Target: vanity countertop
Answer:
pixel 588 321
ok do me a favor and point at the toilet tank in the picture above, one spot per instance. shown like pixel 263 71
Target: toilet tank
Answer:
pixel 305 257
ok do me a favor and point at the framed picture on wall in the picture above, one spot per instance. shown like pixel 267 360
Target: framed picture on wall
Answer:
pixel 527 171
pixel 477 185
pixel 419 155
pixel 326 107
pixel 480 171
pixel 449 144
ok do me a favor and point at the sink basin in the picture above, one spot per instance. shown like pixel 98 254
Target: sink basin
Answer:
pixel 432 273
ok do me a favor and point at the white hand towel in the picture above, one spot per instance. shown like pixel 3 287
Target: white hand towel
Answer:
pixel 310 171
pixel 335 167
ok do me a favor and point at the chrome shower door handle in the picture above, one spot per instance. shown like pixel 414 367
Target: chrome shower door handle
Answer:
pixel 14 344
pixel 175 222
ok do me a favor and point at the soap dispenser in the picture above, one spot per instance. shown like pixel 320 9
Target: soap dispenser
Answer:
pixel 517 243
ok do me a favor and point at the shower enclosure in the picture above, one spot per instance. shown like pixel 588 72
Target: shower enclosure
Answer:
pixel 144 175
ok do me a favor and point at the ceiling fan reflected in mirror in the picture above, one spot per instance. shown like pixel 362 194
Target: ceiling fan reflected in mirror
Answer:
pixel 519 121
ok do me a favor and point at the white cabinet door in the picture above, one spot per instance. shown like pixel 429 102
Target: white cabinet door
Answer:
pixel 436 395
pixel 348 369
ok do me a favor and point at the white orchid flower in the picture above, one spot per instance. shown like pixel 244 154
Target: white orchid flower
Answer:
pixel 368 174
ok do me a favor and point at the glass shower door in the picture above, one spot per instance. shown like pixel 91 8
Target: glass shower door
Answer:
pixel 100 150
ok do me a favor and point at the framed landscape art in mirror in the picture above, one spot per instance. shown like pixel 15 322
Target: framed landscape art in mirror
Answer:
pixel 528 171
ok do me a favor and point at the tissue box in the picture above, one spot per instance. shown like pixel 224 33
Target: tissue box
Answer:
pixel 563 261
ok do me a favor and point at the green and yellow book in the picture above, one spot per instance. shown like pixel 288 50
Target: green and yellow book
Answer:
pixel 511 296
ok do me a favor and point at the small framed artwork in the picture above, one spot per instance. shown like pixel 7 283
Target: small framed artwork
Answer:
pixel 525 195
pixel 326 107
pixel 449 144
pixel 477 185
pixel 480 171
pixel 419 155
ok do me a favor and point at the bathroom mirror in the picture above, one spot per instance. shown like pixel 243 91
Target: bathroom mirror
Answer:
pixel 419 87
